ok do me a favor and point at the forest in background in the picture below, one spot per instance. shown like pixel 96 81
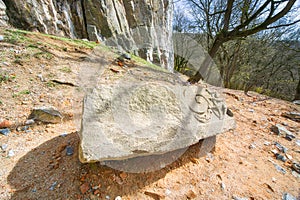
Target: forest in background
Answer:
pixel 258 43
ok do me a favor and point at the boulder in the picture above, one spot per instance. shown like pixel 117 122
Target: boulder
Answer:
pixel 128 119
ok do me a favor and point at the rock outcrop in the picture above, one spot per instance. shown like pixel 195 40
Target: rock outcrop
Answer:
pixel 128 119
pixel 143 27
pixel 3 17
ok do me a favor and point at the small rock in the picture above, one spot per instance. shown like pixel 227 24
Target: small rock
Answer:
pixel 251 110
pixel 229 112
pixel 289 137
pixel 5 124
pixel 84 188
pixel 209 157
pixel 22 128
pixel 223 186
pixel 63 134
pixel 52 187
pixel 4 147
pixel 280 130
pixel 289 156
pixel 239 198
pixel 252 146
pixel 284 124
pixel 267 143
pixel 292 115
pixel 29 122
pixel 280 169
pixel 296 167
pixel 69 150
pixel 287 196
pixel 107 197
pixel 296 102
pixel 46 114
pixel 11 153
pixel 5 131
pixel 118 198
pixel 281 148
pixel 1 38
pixel 280 157
pixel 168 192
pixel 40 76
pixel 274 179
pixel 274 151
pixel 297 142
pixel 126 56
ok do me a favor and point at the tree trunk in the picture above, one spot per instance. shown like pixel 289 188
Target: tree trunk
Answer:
pixel 297 96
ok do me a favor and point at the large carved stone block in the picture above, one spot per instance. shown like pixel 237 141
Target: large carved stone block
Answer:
pixel 127 120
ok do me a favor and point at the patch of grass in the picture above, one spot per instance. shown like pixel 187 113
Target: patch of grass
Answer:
pixel 66 69
pixel 7 77
pixel 145 63
pixel 43 54
pixel 16 36
pixel 23 92
pixel 50 84
pixel 77 42
pixel 1 102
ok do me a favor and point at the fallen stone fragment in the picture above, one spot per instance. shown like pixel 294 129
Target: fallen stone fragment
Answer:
pixel 118 198
pixel 280 130
pixel 5 124
pixel 1 38
pixel 46 114
pixel 52 187
pixel 297 142
pixel 4 147
pixel 5 131
pixel 280 157
pixel 280 169
pixel 127 120
pixel 84 187
pixel 11 153
pixel 69 150
pixel 287 196
pixel 239 198
pixel 29 122
pixel 296 167
pixel 292 115
pixel 281 148
pixel 289 137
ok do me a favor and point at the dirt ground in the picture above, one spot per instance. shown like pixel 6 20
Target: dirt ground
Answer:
pixel 41 70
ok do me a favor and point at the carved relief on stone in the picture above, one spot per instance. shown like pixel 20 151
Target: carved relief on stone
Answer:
pixel 206 104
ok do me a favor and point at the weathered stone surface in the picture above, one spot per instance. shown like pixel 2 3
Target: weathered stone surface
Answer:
pixel 46 114
pixel 3 17
pixel 143 27
pixel 128 119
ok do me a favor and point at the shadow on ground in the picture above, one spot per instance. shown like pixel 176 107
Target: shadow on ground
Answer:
pixel 47 172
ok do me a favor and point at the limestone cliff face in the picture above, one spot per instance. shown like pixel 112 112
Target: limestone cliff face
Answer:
pixel 143 27
pixel 3 17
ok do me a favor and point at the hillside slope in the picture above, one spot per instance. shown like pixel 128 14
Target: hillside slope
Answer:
pixel 37 70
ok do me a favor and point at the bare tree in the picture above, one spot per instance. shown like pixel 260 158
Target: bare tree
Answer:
pixel 237 19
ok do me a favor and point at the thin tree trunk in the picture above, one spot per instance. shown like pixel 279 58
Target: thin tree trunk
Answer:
pixel 297 96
